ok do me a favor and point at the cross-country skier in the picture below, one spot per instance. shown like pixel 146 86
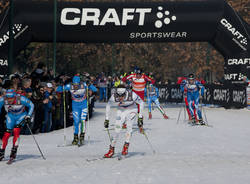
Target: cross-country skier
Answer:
pixel 152 94
pixel 194 89
pixel 180 79
pixel 126 102
pixel 79 94
pixel 139 81
pixel 16 118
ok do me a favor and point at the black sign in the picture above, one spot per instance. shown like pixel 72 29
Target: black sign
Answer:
pixel 228 96
pixel 170 21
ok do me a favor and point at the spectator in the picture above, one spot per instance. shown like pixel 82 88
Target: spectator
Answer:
pixel 47 101
pixel 102 84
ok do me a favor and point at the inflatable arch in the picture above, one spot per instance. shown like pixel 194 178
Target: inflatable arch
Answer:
pixel 212 21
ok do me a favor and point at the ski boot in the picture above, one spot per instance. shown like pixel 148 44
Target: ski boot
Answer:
pixel 140 125
pixel 124 126
pixel 149 115
pixel 125 148
pixel 165 116
pixel 13 152
pixel 110 153
pixel 75 140
pixel 2 151
pixel 201 122
pixel 81 140
pixel 192 121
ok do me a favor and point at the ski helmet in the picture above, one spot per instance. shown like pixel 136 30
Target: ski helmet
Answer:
pixel 10 93
pixel 138 71
pixel 76 80
pixel 121 90
pixel 191 76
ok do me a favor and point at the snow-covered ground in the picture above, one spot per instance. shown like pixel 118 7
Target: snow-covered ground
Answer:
pixel 184 154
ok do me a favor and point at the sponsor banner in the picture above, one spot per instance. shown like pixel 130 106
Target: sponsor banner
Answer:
pixel 248 97
pixel 18 29
pixel 228 96
pixel 237 36
pixel 170 93
pixel 3 66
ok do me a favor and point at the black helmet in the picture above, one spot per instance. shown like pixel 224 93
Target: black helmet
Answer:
pixel 191 76
pixel 121 90
pixel 138 71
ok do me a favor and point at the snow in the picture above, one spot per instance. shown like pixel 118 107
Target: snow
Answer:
pixel 184 154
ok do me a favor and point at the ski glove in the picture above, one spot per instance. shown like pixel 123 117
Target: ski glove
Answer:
pixel 27 120
pixel 140 122
pixel 106 123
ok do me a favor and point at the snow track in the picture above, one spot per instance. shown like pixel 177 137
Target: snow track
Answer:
pixel 184 154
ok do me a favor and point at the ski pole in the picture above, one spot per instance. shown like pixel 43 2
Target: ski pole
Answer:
pixel 179 115
pixel 36 142
pixel 64 116
pixel 203 111
pixel 109 135
pixel 151 146
pixel 87 91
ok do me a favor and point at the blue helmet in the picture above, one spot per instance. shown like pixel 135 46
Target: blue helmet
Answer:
pixel 10 93
pixel 76 80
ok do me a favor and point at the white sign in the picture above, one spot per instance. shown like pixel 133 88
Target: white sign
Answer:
pixel 76 16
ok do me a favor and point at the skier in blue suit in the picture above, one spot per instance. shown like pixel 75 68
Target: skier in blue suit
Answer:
pixel 79 94
pixel 152 94
pixel 14 105
pixel 194 90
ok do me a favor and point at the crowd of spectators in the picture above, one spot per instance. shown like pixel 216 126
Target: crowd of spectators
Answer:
pixel 41 86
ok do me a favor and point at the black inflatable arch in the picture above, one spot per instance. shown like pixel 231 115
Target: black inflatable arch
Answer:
pixel 212 21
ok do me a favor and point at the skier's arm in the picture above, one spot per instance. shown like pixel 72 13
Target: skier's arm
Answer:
pixel 149 79
pixel 67 87
pixel 25 101
pixel 92 88
pixel 157 92
pixel 124 79
pixel 201 87
pixel 183 84
pixel 1 103
pixel 110 102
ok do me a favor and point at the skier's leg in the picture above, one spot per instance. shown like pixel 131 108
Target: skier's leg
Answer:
pixel 76 118
pixel 196 105
pixel 83 121
pixel 10 123
pixel 131 119
pixel 120 118
pixel 190 105
pixel 149 107
pixel 9 127
pixel 187 108
pixel 156 101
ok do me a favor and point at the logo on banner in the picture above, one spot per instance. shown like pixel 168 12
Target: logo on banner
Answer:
pixel 238 37
pixel 245 61
pixel 18 29
pixel 222 95
pixel 3 62
pixel 111 16
pixel 239 96
pixel 234 76
pixel 163 20
pixel 207 95
pixel 176 93
pixel 84 16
